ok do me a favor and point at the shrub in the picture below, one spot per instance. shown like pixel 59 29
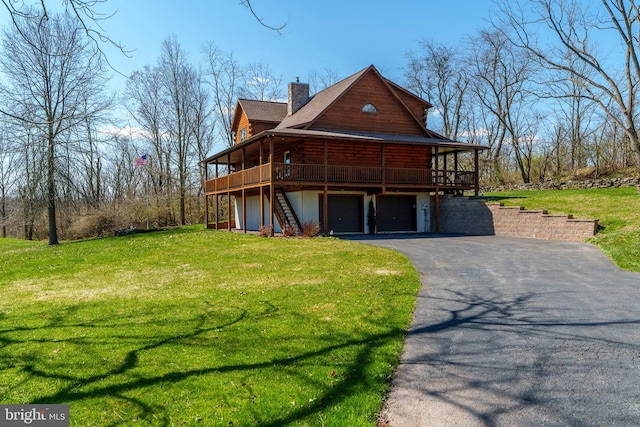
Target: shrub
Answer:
pixel 265 231
pixel 310 228
pixel 290 230
pixel 91 225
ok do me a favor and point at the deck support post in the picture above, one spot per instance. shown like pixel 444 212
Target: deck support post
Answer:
pixel 437 167
pixel 437 219
pixel 325 199
pixel 384 185
pixel 261 178
pixel 228 211
pixel 216 203
pixel 476 161
pixel 456 178
pixel 206 197
pixel 228 193
pixel 272 189
pixel 206 210
pixel 244 211
pixel 244 194
pixel 217 211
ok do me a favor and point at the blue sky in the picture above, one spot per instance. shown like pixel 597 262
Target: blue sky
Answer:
pixel 344 36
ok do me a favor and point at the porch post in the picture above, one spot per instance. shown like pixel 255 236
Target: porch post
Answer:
pixel 244 160
pixel 437 220
pixel 244 194
pixel 217 211
pixel 325 200
pixel 437 166
pixel 261 187
pixel 206 210
pixel 272 189
pixel 206 197
pixel 384 178
pixel 228 193
pixel 244 211
pixel 476 161
pixel 216 190
pixel 228 210
pixel 456 178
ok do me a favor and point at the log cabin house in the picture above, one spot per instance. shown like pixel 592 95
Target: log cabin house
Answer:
pixel 326 157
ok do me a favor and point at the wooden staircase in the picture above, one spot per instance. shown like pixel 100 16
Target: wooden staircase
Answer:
pixel 284 212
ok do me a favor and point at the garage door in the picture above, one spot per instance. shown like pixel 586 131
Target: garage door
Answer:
pixel 396 213
pixel 345 214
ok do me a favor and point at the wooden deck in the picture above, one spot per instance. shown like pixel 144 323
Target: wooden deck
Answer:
pixel 311 174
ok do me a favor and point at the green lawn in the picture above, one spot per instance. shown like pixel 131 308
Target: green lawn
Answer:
pixel 618 210
pixel 198 327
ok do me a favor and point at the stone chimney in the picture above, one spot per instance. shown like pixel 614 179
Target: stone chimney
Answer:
pixel 298 96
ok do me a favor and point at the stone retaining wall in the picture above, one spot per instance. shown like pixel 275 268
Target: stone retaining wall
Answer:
pixel 462 215
pixel 565 185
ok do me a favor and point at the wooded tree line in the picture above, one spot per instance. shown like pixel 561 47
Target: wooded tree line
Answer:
pixel 68 147
pixel 550 87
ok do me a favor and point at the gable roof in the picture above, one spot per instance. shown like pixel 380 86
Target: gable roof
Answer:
pixel 264 111
pixel 322 101
pixel 259 111
pixel 319 103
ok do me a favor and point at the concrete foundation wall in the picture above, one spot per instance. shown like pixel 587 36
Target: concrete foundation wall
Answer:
pixel 461 215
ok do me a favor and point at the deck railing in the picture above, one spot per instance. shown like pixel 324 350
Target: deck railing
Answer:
pixel 301 173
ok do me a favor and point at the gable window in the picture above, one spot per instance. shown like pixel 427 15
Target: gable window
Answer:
pixel 369 108
pixel 243 134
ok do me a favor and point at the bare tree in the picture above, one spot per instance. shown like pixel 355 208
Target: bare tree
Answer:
pixel 8 171
pixel 319 81
pixel 500 75
pixel 31 173
pixel 437 72
pixel 180 84
pixel 85 13
pixel 54 81
pixel 249 5
pixel 225 76
pixel 145 102
pixel 88 16
pixel 610 81
pixel 261 83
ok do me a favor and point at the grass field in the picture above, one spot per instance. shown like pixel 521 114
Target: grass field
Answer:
pixel 197 327
pixel 618 210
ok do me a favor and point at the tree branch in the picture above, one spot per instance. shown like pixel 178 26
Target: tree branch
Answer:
pixel 248 5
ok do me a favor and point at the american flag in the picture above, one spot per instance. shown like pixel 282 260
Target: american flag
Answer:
pixel 141 161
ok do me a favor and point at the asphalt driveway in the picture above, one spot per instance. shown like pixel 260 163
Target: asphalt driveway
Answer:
pixel 517 332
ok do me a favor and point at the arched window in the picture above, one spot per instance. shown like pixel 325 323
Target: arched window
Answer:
pixel 369 108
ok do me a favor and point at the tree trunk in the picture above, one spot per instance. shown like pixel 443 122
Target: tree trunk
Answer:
pixel 3 210
pixel 51 191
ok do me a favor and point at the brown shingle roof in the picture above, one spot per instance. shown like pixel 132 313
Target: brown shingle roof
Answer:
pixel 264 111
pixel 320 102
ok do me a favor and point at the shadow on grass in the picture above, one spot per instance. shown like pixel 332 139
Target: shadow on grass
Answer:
pixel 119 381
